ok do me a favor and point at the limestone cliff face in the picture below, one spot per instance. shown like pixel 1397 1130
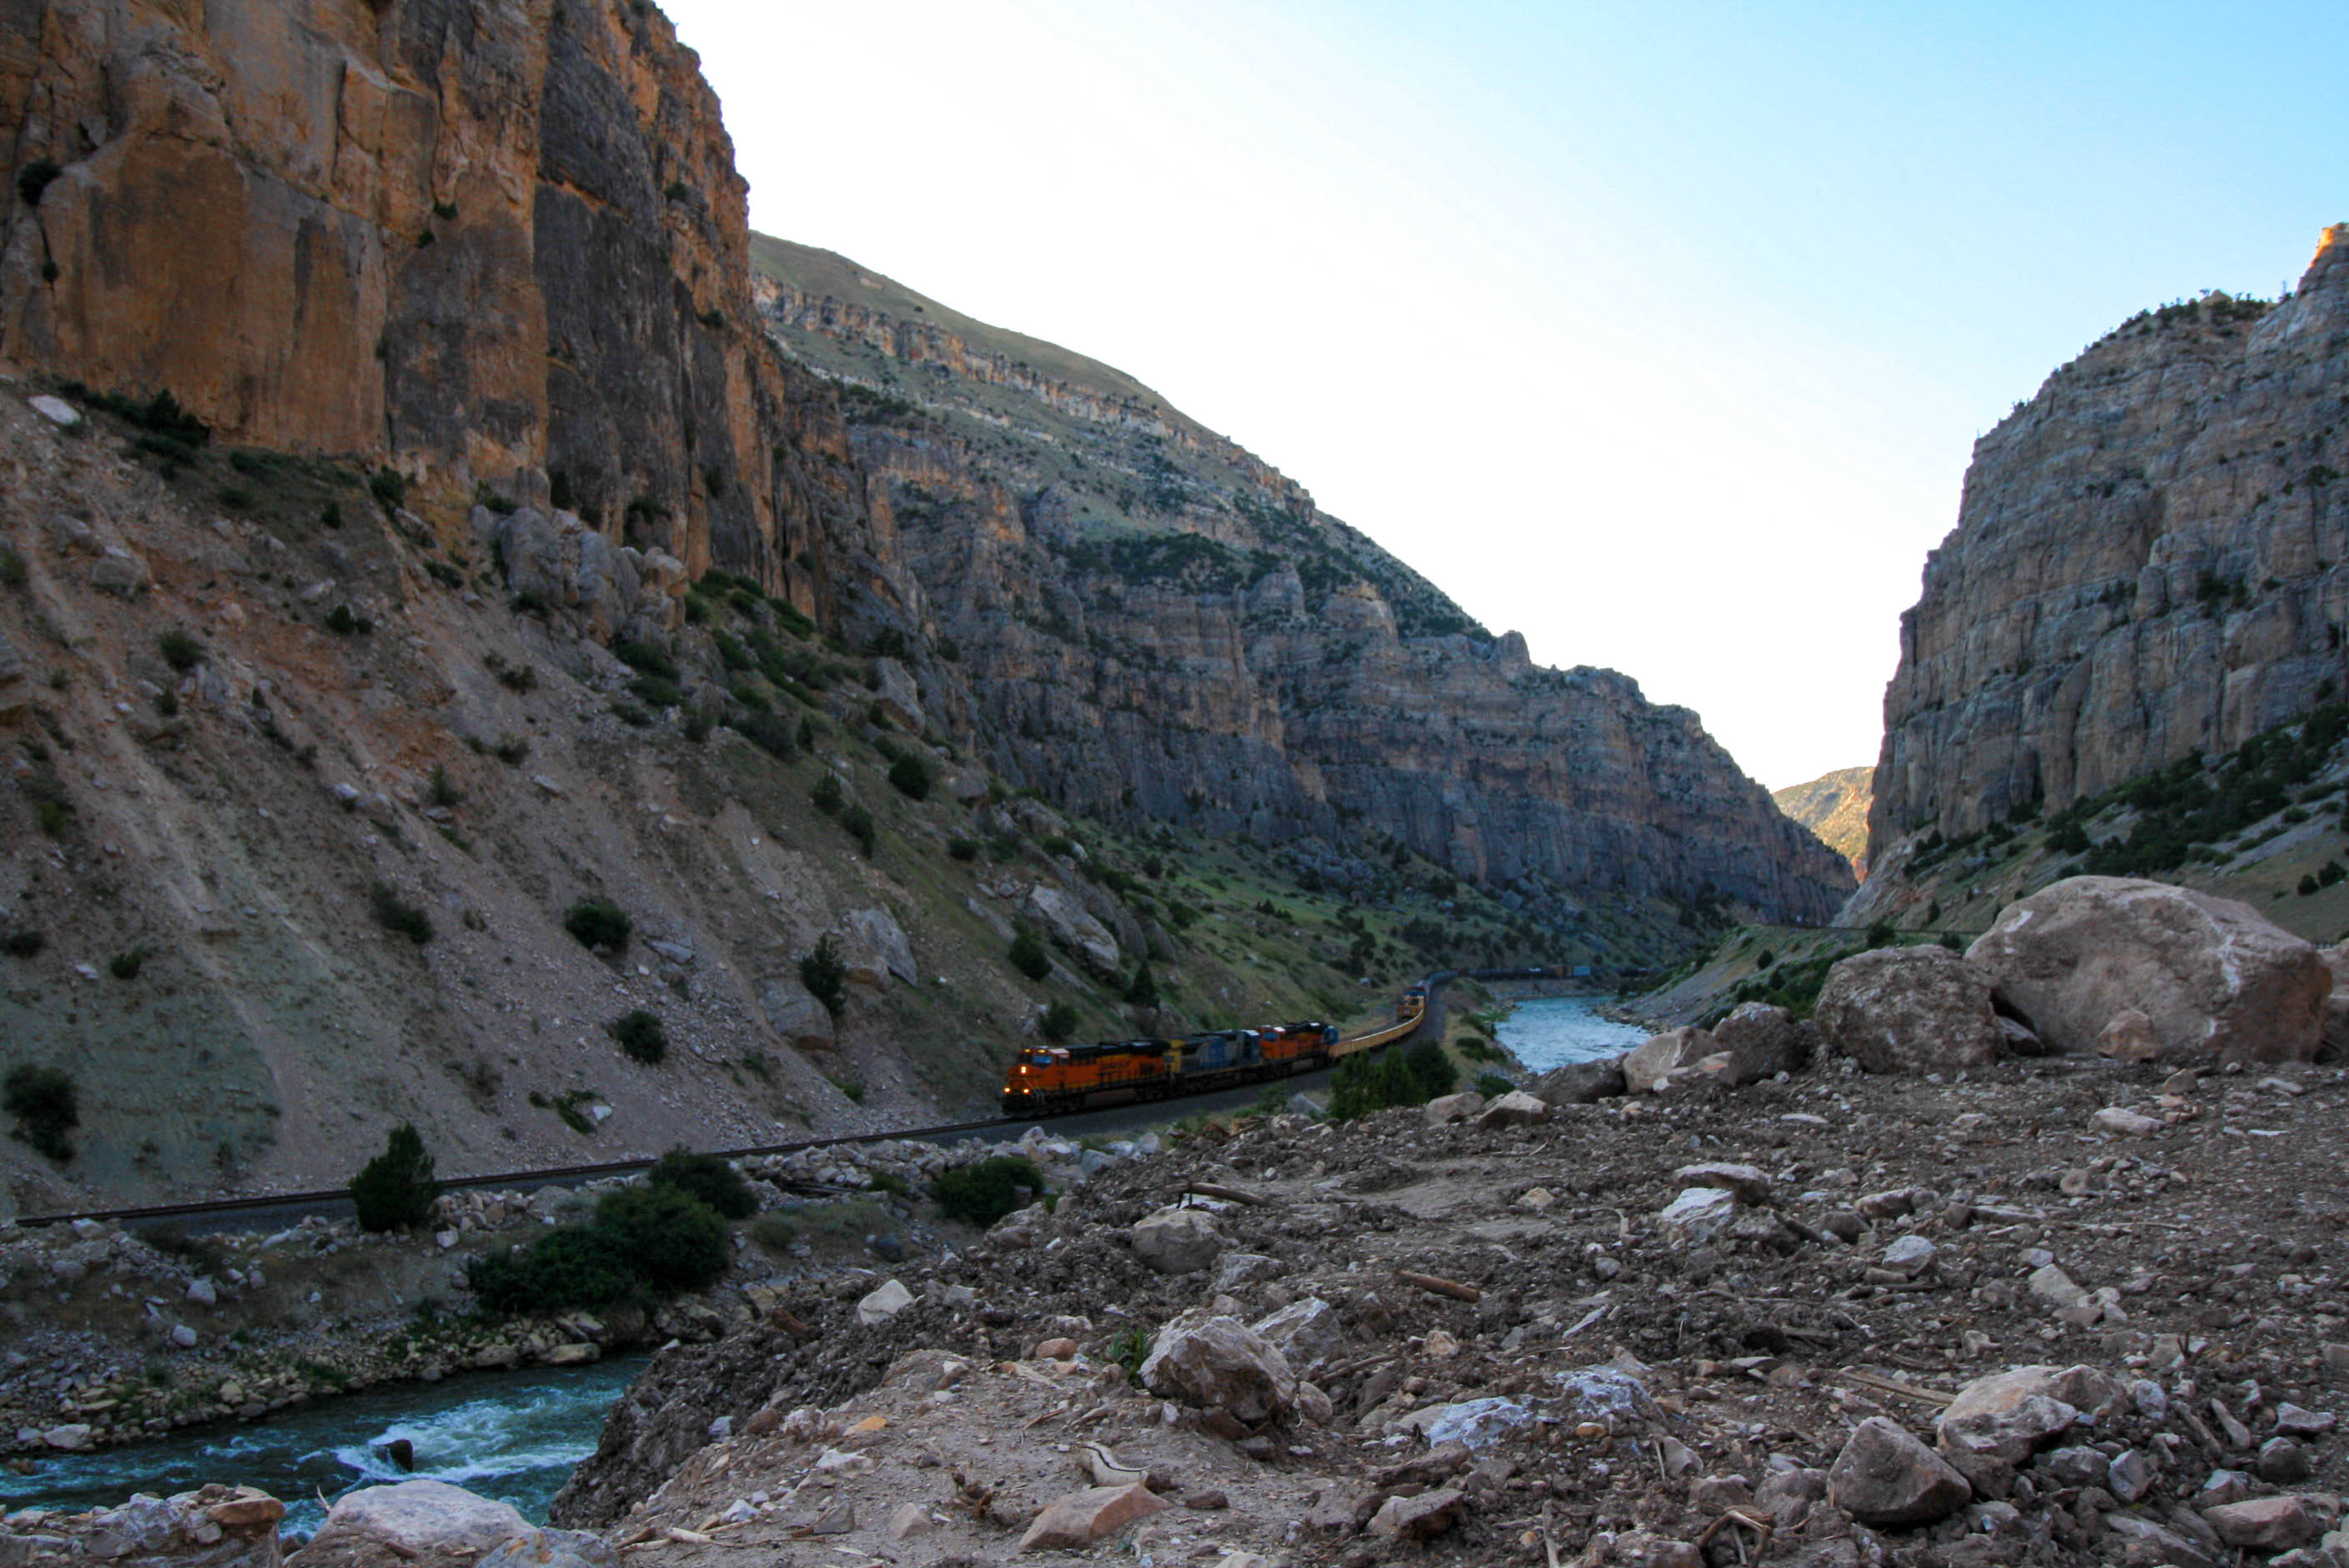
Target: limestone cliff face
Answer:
pixel 2151 559
pixel 486 241
pixel 1835 807
pixel 1145 620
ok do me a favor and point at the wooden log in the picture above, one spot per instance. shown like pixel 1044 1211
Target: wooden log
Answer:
pixel 1451 1287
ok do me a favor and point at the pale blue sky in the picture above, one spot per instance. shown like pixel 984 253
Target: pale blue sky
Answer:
pixel 1659 332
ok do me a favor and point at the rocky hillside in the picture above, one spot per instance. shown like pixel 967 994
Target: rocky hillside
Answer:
pixel 1145 620
pixel 1833 806
pixel 2151 560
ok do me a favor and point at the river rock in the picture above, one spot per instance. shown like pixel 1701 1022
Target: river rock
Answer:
pixel 2216 981
pixel 1908 1010
pixel 415 1524
pixel 1884 1475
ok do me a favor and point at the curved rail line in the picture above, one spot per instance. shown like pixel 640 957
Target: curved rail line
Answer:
pixel 1355 1044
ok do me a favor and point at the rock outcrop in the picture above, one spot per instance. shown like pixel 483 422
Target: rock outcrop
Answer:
pixel 1835 807
pixel 487 243
pixel 2151 560
pixel 2208 979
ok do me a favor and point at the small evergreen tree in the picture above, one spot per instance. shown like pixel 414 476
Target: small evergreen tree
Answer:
pixel 825 976
pixel 43 1101
pixel 1028 958
pixel 1141 991
pixel 708 1177
pixel 395 1190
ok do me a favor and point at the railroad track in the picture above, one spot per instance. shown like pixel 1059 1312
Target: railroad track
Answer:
pixel 1371 1040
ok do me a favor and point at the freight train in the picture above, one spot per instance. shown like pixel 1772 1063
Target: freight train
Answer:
pixel 1045 1081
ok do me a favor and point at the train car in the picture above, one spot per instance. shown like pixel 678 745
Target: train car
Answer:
pixel 1049 1078
pixel 1413 1005
pixel 1297 1047
pixel 1226 1053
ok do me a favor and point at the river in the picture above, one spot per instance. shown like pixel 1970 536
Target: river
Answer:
pixel 1550 1031
pixel 512 1435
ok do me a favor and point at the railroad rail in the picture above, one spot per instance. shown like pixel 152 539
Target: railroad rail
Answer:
pixel 1371 1040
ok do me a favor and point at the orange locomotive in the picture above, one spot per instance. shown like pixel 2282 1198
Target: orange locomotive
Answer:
pixel 1043 1080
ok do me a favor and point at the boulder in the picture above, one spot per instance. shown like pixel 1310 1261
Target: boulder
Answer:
pixel 1176 1241
pixel 1418 1518
pixel 1238 1269
pixel 793 1013
pixel 2146 1544
pixel 1649 1064
pixel 1220 1363
pixel 1082 1518
pixel 415 1524
pixel 2335 1033
pixel 1699 1214
pixel 874 947
pixel 1579 1083
pixel 1885 1476
pixel 899 698
pixel 1065 918
pixel 1762 1041
pixel 1308 1333
pixel 2266 1525
pixel 884 1303
pixel 1751 1184
pixel 1449 1109
pixel 1908 1010
pixel 2214 979
pixel 1515 1108
pixel 2008 1415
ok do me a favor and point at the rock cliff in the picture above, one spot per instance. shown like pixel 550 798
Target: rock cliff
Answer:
pixel 490 243
pixel 1835 807
pixel 1137 616
pixel 2151 560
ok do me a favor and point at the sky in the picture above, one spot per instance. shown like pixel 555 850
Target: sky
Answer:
pixel 1657 331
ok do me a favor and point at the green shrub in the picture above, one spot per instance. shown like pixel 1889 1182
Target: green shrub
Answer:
pixel 1141 991
pixel 826 796
pixel 670 1240
pixel 395 1190
pixel 771 733
pixel 575 1265
pixel 345 622
pixel 857 823
pixel 46 1108
pixel 891 1184
pixel 910 776
pixel 707 1177
pixel 1362 1085
pixel 983 1193
pixel 331 515
pixel 180 650
pixel 598 924
pixel 518 677
pixel 389 487
pixel 641 1034
pixel 1027 956
pixel 1491 1086
pixel 23 943
pixel 774 1232
pixel 825 976
pixel 442 791
pixel 12 568
pixel 126 965
pixel 1058 1022
pixel 644 659
pixel 963 849
pixel 394 914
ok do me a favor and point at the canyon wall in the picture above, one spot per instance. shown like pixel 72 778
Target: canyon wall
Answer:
pixel 1145 620
pixel 2151 560
pixel 486 242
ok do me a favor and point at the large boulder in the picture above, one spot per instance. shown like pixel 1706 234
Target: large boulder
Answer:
pixel 793 1013
pixel 1579 1083
pixel 1308 1333
pixel 1908 1010
pixel 2215 980
pixel 1221 1364
pixel 899 698
pixel 1648 1065
pixel 415 1524
pixel 1762 1041
pixel 1177 1241
pixel 1065 918
pixel 874 947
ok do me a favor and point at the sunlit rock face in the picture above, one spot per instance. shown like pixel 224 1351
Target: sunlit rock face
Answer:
pixel 2151 560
